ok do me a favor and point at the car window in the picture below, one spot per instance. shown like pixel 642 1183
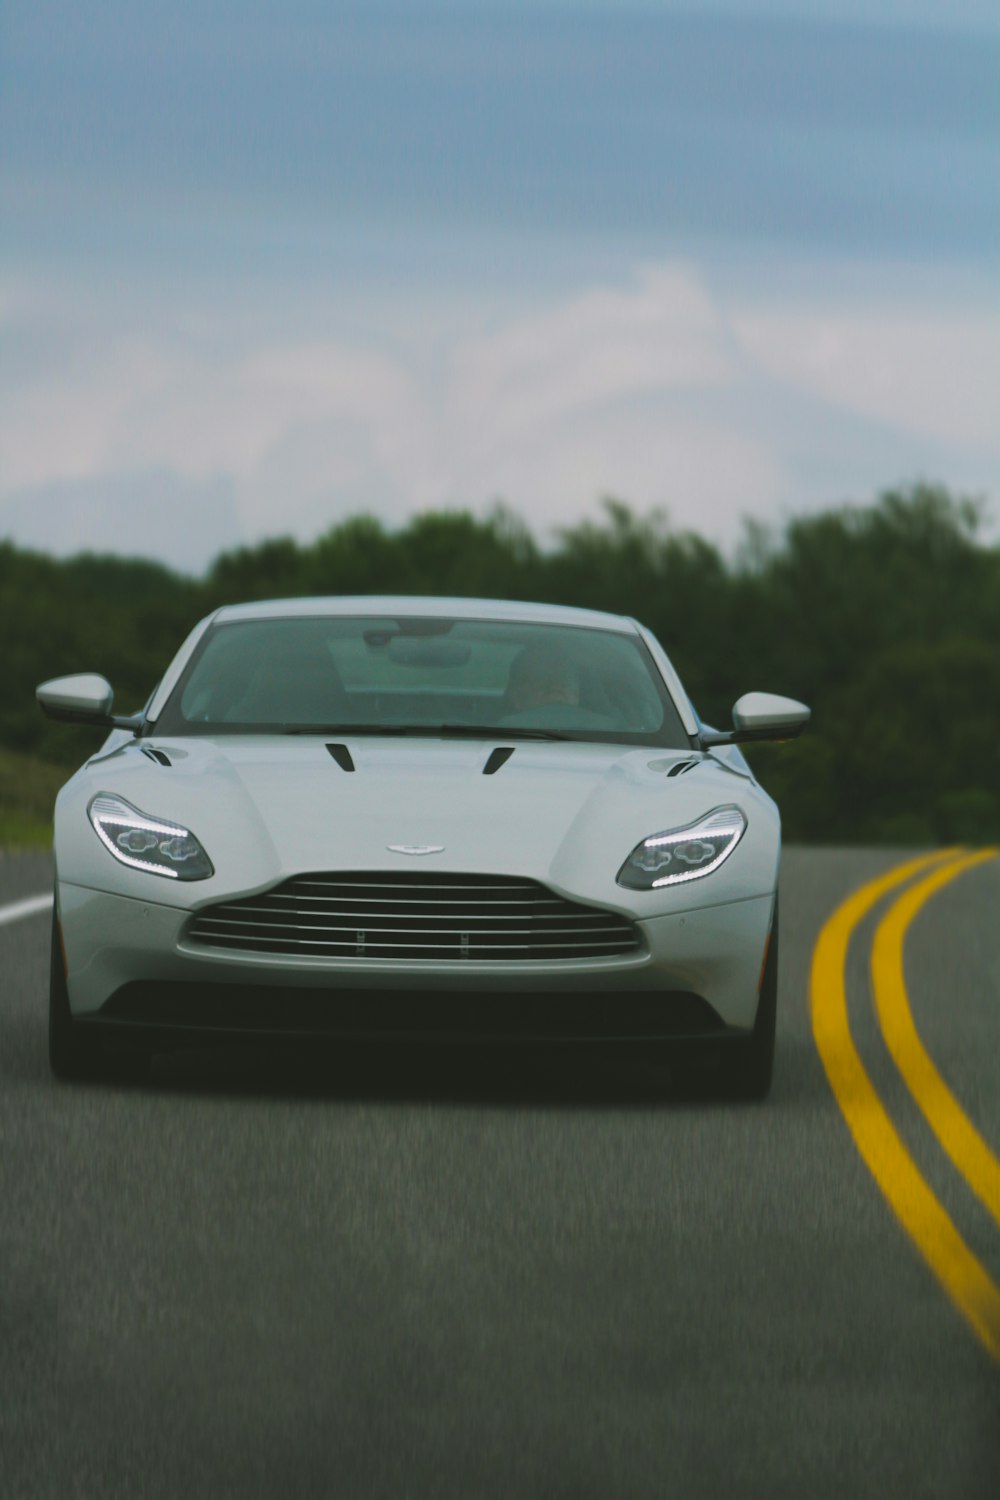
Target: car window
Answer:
pixel 381 672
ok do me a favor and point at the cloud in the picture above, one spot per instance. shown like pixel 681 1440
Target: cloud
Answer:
pixel 134 428
pixel 151 513
pixel 663 333
pixel 928 374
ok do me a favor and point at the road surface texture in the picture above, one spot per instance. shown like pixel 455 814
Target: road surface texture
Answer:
pixel 432 1275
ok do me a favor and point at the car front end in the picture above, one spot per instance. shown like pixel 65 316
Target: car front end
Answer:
pixel 419 820
pixel 461 884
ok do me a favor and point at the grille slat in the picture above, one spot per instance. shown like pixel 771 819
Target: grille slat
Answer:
pixel 504 933
pixel 402 885
pixel 415 915
pixel 503 919
pixel 553 901
pixel 435 948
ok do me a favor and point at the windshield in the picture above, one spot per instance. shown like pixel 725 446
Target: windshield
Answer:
pixel 377 674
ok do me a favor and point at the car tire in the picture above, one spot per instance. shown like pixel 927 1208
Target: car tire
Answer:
pixel 70 1056
pixel 751 1066
pixel 73 1057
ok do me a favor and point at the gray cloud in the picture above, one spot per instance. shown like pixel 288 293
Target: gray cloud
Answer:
pixel 667 387
pixel 870 139
pixel 154 513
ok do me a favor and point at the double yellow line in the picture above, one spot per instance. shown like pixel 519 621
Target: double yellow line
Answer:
pixel 960 1273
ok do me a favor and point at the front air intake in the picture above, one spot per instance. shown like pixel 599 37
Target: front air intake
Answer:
pixel 415 914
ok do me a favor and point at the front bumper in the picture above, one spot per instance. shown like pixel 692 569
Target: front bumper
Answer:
pixel 705 961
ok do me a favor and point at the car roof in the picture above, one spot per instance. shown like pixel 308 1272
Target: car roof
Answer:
pixel 435 608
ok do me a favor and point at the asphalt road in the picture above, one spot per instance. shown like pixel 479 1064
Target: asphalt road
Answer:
pixel 271 1277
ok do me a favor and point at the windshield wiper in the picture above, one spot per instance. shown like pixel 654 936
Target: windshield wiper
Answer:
pixel 327 729
pixel 498 732
pixel 429 731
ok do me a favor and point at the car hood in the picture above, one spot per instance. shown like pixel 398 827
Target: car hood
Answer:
pixel 568 814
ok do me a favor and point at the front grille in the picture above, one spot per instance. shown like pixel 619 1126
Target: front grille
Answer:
pixel 415 915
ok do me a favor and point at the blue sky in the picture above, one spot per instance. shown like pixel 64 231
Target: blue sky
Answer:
pixel 266 266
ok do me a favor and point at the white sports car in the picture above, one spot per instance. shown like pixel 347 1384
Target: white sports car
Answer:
pixel 417 818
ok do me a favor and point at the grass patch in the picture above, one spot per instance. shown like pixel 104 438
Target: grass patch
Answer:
pixel 28 789
pixel 24 833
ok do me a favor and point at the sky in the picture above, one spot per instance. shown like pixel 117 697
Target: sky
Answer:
pixel 263 267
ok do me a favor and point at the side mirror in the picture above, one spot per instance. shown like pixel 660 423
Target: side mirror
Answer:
pixel 84 698
pixel 768 716
pixel 761 716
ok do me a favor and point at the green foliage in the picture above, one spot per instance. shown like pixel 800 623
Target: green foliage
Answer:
pixel 28 790
pixel 885 618
pixel 120 616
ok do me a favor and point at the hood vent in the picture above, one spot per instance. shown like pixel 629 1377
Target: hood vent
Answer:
pixel 159 756
pixel 497 758
pixel 682 766
pixel 342 756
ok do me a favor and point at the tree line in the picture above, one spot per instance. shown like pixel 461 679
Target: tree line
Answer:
pixel 885 618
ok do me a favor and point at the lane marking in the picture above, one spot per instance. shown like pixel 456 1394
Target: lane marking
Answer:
pixel 18 910
pixel 949 1122
pixel 963 1278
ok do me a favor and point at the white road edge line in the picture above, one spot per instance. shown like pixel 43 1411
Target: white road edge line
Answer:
pixel 30 907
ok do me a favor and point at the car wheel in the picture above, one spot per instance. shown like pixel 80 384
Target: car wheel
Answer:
pixel 751 1065
pixel 70 1056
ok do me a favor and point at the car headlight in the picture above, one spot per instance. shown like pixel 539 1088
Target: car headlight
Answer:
pixel 684 853
pixel 145 843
